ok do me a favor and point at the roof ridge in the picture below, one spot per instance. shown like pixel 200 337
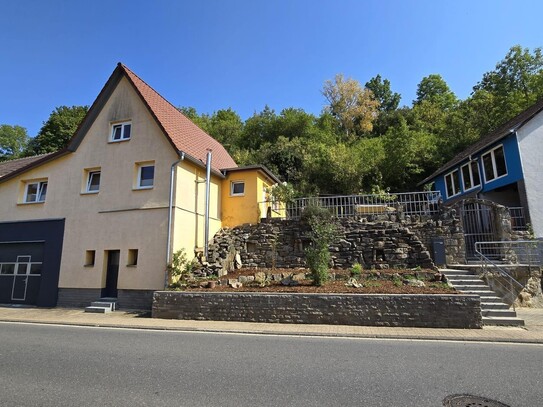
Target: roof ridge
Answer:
pixel 149 86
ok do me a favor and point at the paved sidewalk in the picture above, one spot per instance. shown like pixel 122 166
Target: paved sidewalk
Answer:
pixel 531 333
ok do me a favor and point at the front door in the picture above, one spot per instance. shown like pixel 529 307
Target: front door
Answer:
pixel 112 274
pixel 20 280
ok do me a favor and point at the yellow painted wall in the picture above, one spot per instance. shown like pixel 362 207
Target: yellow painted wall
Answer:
pixel 118 217
pixel 189 213
pixel 250 207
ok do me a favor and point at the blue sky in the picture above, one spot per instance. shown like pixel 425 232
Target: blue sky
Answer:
pixel 244 54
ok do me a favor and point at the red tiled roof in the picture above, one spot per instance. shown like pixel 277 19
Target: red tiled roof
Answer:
pixel 11 166
pixel 183 133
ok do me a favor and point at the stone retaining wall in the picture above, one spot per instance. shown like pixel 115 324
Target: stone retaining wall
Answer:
pixel 416 310
pixel 375 242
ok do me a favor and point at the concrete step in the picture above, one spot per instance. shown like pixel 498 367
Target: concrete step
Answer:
pixel 466 281
pixel 455 271
pixel 503 321
pixel 98 310
pixel 474 287
pixel 504 313
pixel 494 306
pixel 110 305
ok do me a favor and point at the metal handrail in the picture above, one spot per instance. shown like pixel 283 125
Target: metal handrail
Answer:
pixel 486 260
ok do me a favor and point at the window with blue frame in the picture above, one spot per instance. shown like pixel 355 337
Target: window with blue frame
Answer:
pixel 452 182
pixel 494 164
pixel 470 175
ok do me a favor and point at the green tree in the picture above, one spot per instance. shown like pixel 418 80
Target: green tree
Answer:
pixel 57 131
pixel 226 126
pixel 434 89
pixel 382 92
pixel 352 105
pixel 13 141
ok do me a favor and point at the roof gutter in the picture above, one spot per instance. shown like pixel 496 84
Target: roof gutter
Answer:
pixel 170 215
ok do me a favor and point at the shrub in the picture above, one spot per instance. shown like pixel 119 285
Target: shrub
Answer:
pixel 324 231
pixel 356 270
pixel 180 266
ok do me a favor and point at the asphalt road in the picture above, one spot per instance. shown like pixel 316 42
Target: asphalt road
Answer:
pixel 56 366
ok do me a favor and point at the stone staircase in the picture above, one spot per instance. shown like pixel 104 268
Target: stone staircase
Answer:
pixel 494 310
pixel 102 306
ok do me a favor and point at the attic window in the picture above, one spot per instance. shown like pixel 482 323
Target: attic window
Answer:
pixel 35 192
pixel 120 131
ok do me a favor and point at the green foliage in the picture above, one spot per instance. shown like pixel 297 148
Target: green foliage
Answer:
pixel 283 193
pixel 13 141
pixel 363 141
pixel 356 270
pixel 57 131
pixel 180 266
pixel 323 232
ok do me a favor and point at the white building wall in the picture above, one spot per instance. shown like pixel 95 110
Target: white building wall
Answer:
pixel 530 138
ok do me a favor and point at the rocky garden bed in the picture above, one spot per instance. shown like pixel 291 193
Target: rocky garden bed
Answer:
pixel 414 281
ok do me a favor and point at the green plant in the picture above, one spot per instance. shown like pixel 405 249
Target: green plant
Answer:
pixel 356 270
pixel 179 266
pixel 324 231
pixel 397 282
pixel 283 193
pixel 373 284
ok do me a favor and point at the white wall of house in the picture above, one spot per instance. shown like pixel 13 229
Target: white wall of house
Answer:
pixel 530 138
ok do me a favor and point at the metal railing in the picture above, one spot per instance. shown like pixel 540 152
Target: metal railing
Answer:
pixel 518 220
pixel 496 256
pixel 409 203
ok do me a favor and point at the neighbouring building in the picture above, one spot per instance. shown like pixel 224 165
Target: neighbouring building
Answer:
pixel 102 217
pixel 504 167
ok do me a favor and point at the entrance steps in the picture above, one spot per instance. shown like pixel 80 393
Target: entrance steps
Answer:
pixel 494 311
pixel 102 306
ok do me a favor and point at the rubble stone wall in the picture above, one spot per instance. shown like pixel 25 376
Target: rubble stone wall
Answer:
pixel 390 242
pixel 422 310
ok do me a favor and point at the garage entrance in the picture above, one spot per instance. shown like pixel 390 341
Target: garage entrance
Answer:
pixel 20 272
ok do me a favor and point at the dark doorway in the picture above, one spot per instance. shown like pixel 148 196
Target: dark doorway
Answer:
pixel 112 274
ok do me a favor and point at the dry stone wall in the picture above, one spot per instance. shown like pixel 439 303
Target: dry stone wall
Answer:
pixel 375 243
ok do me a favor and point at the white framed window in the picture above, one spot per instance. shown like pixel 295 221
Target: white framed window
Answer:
pixel 470 175
pixel 494 164
pixel 35 192
pixel 145 175
pixel 120 131
pixel 452 183
pixel 92 184
pixel 237 188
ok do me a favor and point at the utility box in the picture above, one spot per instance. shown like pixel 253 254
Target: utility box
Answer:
pixel 438 246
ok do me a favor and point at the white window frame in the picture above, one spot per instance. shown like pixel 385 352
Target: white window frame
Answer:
pixel 455 192
pixel 90 174
pixel 232 184
pixel 494 166
pixel 472 182
pixel 123 136
pixel 138 180
pixel 40 196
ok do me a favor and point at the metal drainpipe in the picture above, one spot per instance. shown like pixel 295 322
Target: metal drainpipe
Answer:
pixel 208 187
pixel 170 212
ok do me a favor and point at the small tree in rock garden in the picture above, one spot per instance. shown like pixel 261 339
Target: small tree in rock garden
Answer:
pixel 324 230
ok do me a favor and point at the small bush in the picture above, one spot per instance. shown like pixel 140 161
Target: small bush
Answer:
pixel 356 270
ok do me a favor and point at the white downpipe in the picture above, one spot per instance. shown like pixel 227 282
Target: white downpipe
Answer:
pixel 208 188
pixel 170 216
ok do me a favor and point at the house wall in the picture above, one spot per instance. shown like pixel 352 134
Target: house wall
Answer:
pixel 189 214
pixel 118 217
pixel 512 162
pixel 237 210
pixel 530 139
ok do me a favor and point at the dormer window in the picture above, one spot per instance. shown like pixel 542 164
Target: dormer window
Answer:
pixel 120 131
